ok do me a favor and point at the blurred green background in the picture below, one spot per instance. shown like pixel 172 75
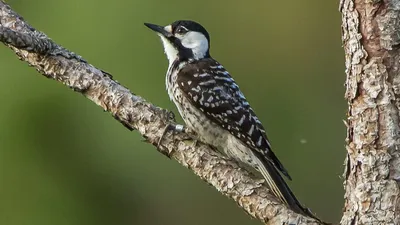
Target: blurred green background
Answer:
pixel 64 161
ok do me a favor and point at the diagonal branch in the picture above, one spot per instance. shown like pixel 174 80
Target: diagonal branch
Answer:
pixel 56 62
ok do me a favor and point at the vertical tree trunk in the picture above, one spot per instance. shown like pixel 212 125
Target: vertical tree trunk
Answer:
pixel 371 38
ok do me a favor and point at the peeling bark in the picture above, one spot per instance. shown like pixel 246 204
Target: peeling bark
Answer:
pixel 56 62
pixel 371 37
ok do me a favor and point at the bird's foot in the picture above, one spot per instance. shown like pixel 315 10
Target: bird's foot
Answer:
pixel 191 136
pixel 170 127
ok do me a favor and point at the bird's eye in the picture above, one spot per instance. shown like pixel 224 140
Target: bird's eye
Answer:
pixel 181 30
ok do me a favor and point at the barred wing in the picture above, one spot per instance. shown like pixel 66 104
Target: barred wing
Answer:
pixel 212 90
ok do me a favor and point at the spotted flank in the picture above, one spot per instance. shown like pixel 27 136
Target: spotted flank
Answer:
pixel 216 93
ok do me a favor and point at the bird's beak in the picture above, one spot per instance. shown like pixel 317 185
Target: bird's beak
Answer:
pixel 159 29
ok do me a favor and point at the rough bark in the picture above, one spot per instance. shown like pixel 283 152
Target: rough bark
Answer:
pixel 371 38
pixel 56 62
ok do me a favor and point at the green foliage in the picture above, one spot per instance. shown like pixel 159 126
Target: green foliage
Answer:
pixel 64 161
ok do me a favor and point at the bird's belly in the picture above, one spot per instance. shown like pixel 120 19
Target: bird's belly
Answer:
pixel 206 130
pixel 211 133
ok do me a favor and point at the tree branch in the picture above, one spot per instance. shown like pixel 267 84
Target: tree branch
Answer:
pixel 56 62
pixel 371 43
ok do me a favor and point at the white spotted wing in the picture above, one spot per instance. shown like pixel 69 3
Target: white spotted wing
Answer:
pixel 212 90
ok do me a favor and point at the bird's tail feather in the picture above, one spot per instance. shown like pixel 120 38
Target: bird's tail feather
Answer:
pixel 280 189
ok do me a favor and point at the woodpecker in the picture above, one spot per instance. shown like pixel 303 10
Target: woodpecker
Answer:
pixel 212 105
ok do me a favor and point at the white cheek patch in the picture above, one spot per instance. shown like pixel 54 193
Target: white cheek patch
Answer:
pixel 169 49
pixel 196 42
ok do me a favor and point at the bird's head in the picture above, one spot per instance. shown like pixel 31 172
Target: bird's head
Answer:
pixel 183 39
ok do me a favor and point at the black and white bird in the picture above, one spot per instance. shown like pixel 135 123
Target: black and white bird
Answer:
pixel 212 105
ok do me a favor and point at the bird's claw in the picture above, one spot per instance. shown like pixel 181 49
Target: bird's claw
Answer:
pixel 176 128
pixel 190 136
